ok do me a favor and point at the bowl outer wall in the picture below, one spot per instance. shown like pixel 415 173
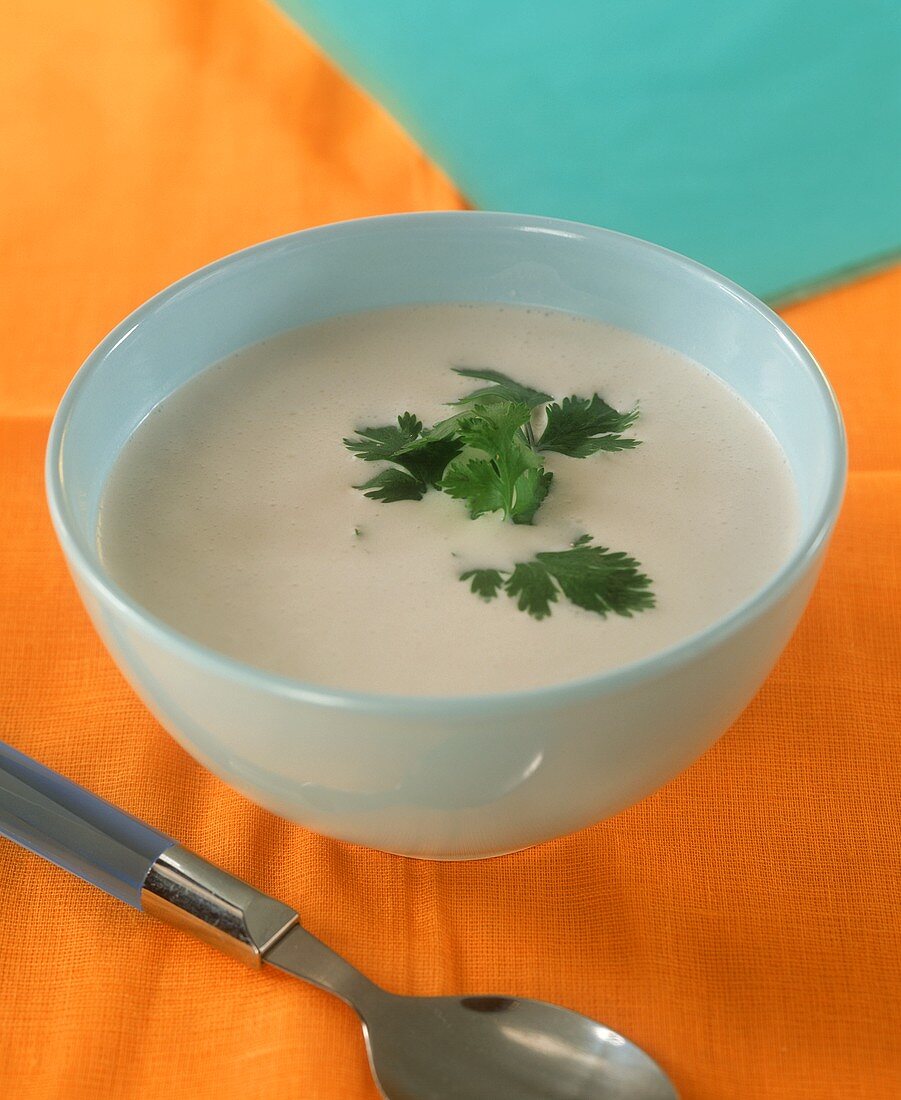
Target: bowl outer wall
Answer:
pixel 466 776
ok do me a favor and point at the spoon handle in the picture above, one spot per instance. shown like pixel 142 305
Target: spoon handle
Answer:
pixel 55 818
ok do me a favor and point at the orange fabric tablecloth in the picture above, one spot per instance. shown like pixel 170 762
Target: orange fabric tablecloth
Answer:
pixel 742 924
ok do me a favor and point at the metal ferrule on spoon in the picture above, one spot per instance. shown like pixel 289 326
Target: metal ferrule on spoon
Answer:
pixel 190 893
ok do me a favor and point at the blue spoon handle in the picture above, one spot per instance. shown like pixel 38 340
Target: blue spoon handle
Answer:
pixel 75 829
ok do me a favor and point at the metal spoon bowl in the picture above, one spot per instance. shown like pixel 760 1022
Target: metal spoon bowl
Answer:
pixel 477 1048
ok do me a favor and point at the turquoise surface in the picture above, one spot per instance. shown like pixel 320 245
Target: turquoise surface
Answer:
pixel 763 139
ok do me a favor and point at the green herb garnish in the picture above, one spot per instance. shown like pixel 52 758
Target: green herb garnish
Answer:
pixel 502 388
pixel 580 427
pixel 385 443
pixel 423 458
pixel 392 485
pixel 592 577
pixel 497 470
pixel 487 456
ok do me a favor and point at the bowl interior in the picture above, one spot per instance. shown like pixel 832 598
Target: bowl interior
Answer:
pixel 376 262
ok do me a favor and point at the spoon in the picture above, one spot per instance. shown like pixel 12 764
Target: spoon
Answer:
pixel 420 1048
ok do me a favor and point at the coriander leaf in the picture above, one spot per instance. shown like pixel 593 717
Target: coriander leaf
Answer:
pixel 485 582
pixel 502 389
pixel 591 577
pixel 383 443
pixel 447 428
pixel 599 579
pixel 496 483
pixel 579 426
pixel 424 457
pixel 427 458
pixel 392 485
pixel 531 582
pixel 476 482
pixel 531 489
pixel 491 427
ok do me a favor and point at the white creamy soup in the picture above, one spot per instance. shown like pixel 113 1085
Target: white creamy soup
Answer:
pixel 231 514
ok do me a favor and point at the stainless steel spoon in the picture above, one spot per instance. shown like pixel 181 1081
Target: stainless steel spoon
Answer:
pixel 420 1048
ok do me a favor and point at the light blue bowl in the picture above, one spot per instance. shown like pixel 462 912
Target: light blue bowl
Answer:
pixel 454 777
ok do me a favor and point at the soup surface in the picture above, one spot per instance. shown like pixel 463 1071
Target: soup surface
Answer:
pixel 231 513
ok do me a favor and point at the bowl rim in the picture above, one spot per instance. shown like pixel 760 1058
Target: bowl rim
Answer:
pixel 652 666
